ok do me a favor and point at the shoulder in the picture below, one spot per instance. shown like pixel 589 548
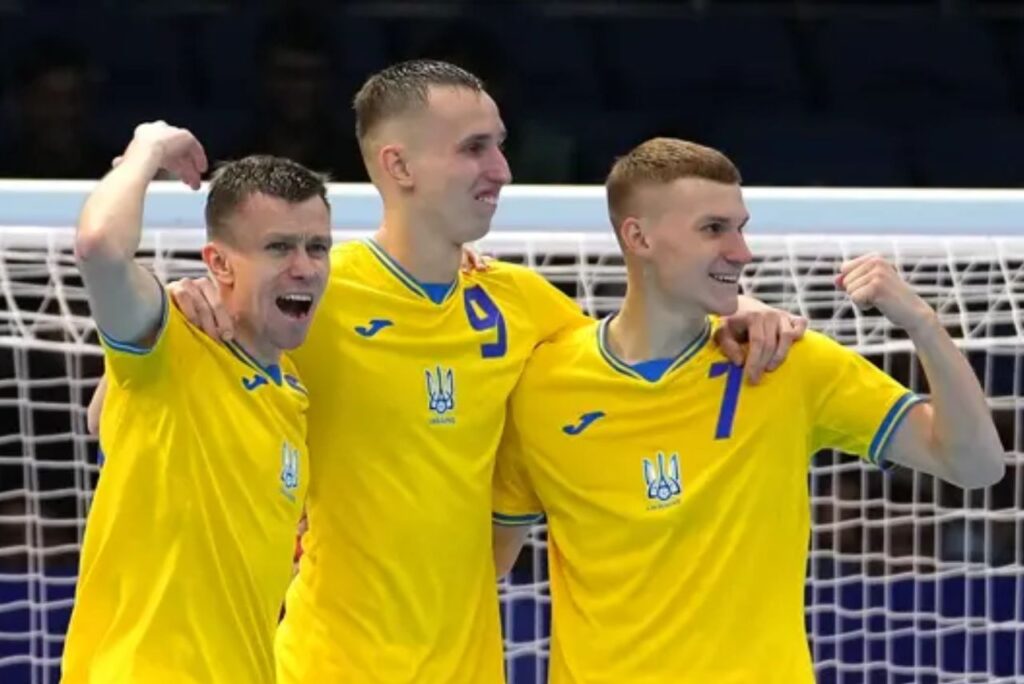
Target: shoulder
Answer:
pixel 818 359
pixel 502 272
pixel 352 265
pixel 348 249
pixel 568 351
pixel 518 281
pixel 816 346
pixel 346 254
pixel 818 343
pixel 172 355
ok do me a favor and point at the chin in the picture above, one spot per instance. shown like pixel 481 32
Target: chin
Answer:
pixel 725 308
pixel 474 233
pixel 290 338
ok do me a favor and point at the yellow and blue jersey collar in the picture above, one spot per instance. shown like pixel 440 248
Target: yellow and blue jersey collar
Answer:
pixel 404 276
pixel 272 371
pixel 688 352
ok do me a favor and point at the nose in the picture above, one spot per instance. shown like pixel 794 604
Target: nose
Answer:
pixel 498 171
pixel 737 251
pixel 301 266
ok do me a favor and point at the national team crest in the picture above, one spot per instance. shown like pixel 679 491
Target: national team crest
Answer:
pixel 663 479
pixel 289 470
pixel 441 394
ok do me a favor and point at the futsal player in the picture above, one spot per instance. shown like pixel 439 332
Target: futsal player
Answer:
pixel 676 493
pixel 409 364
pixel 188 544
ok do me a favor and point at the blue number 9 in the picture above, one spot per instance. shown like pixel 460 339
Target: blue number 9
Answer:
pixel 492 319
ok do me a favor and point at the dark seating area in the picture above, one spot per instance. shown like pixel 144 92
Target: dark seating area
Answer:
pixel 927 93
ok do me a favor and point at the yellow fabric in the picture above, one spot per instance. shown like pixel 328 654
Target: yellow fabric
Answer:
pixel 675 555
pixel 189 540
pixel 407 397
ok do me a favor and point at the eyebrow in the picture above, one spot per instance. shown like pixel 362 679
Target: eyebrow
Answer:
pixel 292 237
pixel 484 138
pixel 725 219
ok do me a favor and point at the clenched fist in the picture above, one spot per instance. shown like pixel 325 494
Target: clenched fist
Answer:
pixel 871 281
pixel 172 149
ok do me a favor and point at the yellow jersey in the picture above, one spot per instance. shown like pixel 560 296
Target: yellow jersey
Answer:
pixel 678 508
pixel 407 405
pixel 188 543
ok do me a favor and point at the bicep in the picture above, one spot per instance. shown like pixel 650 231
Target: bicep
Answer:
pixel 126 301
pixel 912 444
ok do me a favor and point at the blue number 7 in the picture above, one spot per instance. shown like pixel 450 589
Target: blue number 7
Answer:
pixel 733 382
pixel 492 319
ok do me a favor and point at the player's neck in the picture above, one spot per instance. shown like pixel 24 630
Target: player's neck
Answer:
pixel 647 327
pixel 265 353
pixel 419 248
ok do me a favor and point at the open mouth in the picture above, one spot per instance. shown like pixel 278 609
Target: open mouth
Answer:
pixel 727 279
pixel 296 305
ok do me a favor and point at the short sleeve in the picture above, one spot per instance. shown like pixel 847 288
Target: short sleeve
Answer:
pixel 551 310
pixel 130 364
pixel 514 500
pixel 858 406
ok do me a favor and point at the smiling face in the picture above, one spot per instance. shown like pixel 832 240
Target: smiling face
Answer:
pixel 431 138
pixel 274 266
pixel 678 212
pixel 689 235
pixel 268 223
pixel 455 161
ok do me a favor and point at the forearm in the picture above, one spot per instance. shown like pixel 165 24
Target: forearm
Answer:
pixel 110 225
pixel 124 298
pixel 964 440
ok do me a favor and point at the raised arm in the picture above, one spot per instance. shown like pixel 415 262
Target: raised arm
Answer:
pixel 125 298
pixel 953 437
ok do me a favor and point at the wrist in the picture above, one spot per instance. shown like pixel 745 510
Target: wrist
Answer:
pixel 147 157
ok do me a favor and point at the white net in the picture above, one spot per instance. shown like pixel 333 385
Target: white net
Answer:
pixel 909 580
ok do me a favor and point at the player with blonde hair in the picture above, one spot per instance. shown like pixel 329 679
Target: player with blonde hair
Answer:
pixel 675 493
pixel 409 365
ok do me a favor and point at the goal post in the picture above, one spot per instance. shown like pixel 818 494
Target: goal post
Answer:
pixel 909 580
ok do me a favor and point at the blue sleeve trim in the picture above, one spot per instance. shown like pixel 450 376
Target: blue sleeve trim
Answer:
pixel 888 427
pixel 138 350
pixel 516 520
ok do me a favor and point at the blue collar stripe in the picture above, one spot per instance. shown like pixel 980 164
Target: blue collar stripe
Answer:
pixel 404 276
pixel 273 371
pixel 622 367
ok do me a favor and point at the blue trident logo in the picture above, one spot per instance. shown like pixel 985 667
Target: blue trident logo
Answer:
pixel 289 467
pixel 662 484
pixel 441 390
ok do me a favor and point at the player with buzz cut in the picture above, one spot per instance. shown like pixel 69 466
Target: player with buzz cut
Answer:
pixel 675 493
pixel 409 365
pixel 189 539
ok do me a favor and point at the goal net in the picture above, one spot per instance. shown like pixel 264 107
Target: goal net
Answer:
pixel 909 579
